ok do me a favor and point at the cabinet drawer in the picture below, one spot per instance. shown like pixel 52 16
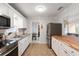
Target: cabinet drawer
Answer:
pixel 62 49
pixel 70 50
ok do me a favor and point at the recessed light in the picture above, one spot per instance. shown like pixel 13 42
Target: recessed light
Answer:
pixel 40 8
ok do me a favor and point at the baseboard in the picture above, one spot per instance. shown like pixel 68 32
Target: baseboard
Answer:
pixel 40 42
pixel 43 42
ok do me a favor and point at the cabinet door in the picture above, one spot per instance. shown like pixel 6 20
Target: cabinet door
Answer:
pixel 22 45
pixel 53 43
pixel 26 42
pixel 74 52
pixel 55 46
pixel 4 9
pixel 58 47
pixel 20 48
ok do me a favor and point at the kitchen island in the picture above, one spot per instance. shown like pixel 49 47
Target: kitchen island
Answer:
pixel 65 45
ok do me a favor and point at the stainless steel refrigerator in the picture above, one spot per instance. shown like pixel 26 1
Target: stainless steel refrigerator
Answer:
pixel 53 29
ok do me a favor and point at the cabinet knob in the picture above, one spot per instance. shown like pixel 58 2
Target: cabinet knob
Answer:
pixel 65 51
pixel 61 44
pixel 72 51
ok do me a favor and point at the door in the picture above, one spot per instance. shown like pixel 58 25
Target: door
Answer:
pixel 35 31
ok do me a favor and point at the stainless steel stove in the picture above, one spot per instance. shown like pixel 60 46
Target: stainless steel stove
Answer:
pixel 6 45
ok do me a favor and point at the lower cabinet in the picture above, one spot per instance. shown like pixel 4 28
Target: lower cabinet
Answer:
pixel 61 49
pixel 71 51
pixel 22 45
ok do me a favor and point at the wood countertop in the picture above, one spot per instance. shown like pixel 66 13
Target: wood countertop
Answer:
pixel 70 41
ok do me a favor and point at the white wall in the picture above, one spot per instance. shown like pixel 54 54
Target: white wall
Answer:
pixel 43 21
pixel 71 14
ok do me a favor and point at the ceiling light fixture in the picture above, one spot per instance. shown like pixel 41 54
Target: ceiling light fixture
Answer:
pixel 60 8
pixel 40 8
pixel 0 13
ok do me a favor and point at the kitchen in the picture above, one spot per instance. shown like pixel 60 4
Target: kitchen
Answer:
pixel 55 26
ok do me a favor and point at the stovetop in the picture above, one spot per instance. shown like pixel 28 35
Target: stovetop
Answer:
pixel 6 44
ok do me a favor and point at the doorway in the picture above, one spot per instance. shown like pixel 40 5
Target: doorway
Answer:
pixel 35 32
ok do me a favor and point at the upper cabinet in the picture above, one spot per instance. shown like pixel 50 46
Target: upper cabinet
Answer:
pixel 17 20
pixel 4 9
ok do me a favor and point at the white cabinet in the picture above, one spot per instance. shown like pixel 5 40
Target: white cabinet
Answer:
pixel 70 50
pixel 11 15
pixel 22 45
pixel 54 45
pixel 17 20
pixel 30 38
pixel 57 47
pixel 4 9
pixel 61 49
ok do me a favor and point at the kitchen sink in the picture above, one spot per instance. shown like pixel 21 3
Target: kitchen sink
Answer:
pixel 6 45
pixel 21 36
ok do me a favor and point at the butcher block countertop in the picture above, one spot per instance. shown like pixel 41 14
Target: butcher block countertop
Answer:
pixel 70 41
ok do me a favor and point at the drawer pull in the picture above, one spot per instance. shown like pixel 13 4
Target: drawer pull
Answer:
pixel 65 52
pixel 72 51
pixel 61 44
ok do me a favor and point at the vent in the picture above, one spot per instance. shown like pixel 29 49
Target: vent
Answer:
pixel 60 8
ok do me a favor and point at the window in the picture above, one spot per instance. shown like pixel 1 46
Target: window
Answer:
pixel 73 28
pixel 77 28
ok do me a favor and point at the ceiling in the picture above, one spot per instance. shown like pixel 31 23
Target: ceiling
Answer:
pixel 28 9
